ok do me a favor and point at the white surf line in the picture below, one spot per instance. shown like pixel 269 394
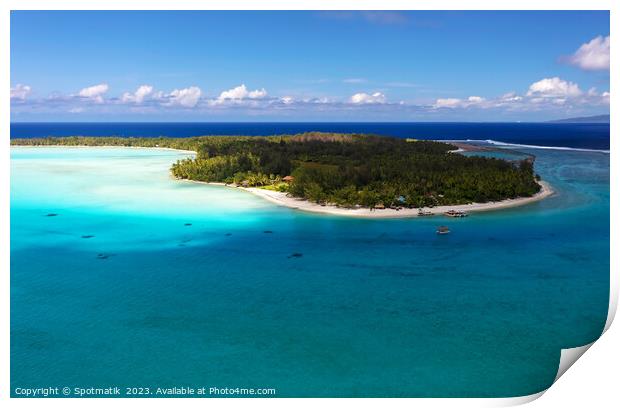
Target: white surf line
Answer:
pixel 506 144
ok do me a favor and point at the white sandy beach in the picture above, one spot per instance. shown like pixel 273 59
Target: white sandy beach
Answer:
pixel 191 152
pixel 282 199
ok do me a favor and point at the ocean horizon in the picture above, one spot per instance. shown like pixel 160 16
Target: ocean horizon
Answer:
pixel 568 135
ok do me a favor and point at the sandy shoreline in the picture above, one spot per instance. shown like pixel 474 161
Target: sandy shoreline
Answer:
pixel 106 147
pixel 282 199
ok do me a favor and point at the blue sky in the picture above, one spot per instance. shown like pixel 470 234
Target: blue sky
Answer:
pixel 308 66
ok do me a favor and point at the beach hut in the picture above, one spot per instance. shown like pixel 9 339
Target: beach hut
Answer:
pixel 456 214
pixel 245 183
pixel 288 179
pixel 380 206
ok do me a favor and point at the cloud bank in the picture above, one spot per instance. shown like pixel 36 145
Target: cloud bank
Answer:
pixel 547 93
pixel 552 94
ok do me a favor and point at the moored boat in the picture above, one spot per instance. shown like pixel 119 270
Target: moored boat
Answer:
pixel 456 214
pixel 442 230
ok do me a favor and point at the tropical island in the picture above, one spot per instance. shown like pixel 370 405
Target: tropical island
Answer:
pixel 343 173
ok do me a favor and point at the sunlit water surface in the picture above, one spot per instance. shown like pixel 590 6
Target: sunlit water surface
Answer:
pixel 116 290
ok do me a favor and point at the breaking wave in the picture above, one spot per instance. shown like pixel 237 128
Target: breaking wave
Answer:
pixel 527 146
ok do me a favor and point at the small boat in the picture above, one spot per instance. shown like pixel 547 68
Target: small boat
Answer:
pixel 443 230
pixel 424 213
pixel 456 214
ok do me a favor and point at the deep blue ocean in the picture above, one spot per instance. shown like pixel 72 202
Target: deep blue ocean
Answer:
pixel 577 135
pixel 123 276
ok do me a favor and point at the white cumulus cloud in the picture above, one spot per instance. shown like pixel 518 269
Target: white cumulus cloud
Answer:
pixel 475 99
pixel 593 55
pixel 94 92
pixel 553 88
pixel 143 92
pixel 186 97
pixel 363 97
pixel 240 93
pixel 20 91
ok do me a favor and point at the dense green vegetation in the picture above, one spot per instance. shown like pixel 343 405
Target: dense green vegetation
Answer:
pixel 342 169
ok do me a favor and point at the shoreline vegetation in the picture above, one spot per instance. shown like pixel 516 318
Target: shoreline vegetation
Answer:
pixel 344 174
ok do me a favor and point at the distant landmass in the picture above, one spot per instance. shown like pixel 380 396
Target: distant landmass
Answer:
pixel 584 119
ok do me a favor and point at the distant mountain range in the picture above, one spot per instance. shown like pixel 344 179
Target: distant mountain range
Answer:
pixel 585 119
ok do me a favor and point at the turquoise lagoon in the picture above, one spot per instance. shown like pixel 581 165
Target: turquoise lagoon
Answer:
pixel 116 289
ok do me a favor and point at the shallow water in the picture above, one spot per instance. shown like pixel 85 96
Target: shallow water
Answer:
pixel 116 289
